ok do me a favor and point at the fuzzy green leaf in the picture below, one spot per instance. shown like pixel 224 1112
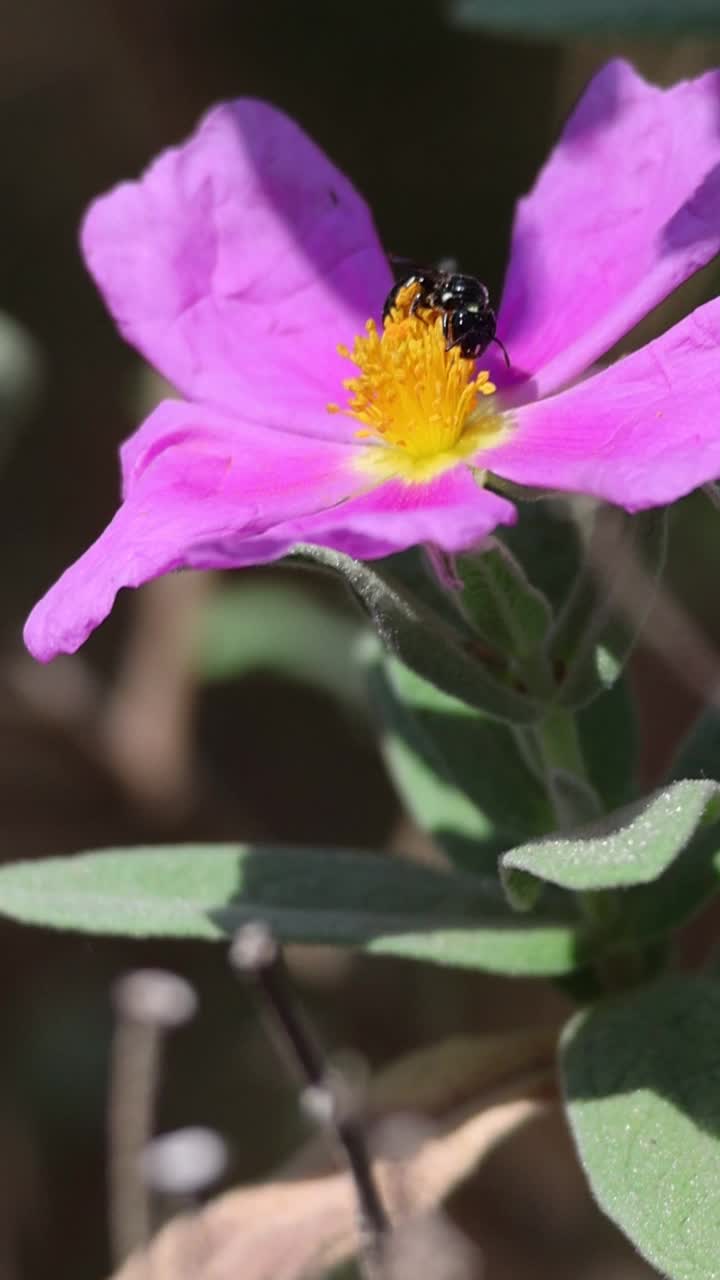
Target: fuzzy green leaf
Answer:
pixel 431 797
pixel 546 542
pixel 413 573
pixel 642 1083
pixel 510 614
pixel 632 846
pixel 381 904
pixel 653 910
pixel 462 776
pixel 609 740
pixel 422 639
pixel 596 631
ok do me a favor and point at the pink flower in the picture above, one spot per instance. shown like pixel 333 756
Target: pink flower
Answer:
pixel 242 260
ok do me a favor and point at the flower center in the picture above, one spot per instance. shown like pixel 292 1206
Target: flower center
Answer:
pixel 424 405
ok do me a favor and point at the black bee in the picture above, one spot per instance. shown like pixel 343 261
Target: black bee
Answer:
pixel 468 320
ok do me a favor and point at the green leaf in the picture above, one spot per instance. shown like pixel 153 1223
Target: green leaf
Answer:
pixel 546 542
pixel 276 626
pixel 462 776
pixel 472 755
pixel 656 909
pixel 610 602
pixel 421 639
pixel 510 614
pixel 412 572
pixel 557 17
pixel 437 805
pixel 642 1083
pixel 383 905
pixel 632 846
pixel 609 741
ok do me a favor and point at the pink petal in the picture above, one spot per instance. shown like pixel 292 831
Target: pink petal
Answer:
pixel 202 495
pixel 451 512
pixel 238 262
pixel 640 434
pixel 199 482
pixel 259 464
pixel 626 208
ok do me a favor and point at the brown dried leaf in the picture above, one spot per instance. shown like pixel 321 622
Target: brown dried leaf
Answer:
pixel 437 1079
pixel 299 1225
pixel 286 1230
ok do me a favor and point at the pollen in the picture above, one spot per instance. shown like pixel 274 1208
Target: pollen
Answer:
pixel 421 408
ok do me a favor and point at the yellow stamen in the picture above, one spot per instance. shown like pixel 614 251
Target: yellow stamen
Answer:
pixel 422 404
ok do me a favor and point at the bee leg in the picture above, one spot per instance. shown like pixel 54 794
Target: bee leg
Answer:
pixel 415 305
pixel 502 348
pixel 450 342
pixel 419 299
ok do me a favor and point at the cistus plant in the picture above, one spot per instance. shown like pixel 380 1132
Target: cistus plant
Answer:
pixel 248 271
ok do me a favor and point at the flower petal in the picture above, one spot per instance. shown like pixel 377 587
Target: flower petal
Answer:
pixel 237 263
pixel 198 483
pixel 640 434
pixel 626 208
pixel 260 467
pixel 451 512
pixel 195 499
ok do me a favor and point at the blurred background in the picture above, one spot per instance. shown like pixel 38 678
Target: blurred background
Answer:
pixel 208 709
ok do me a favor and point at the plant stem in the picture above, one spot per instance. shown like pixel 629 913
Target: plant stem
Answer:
pixel 256 954
pixel 558 743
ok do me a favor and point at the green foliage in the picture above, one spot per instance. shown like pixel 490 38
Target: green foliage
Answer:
pixel 422 639
pixel 642 1083
pixel 275 626
pixel 654 910
pixel 631 846
pixel 510 614
pixel 413 573
pixel 560 17
pixel 430 793
pixel 463 776
pixel 604 614
pixel 383 905
pixel 608 736
pixel 546 542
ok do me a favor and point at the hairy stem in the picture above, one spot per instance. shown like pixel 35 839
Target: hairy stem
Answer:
pixel 573 798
